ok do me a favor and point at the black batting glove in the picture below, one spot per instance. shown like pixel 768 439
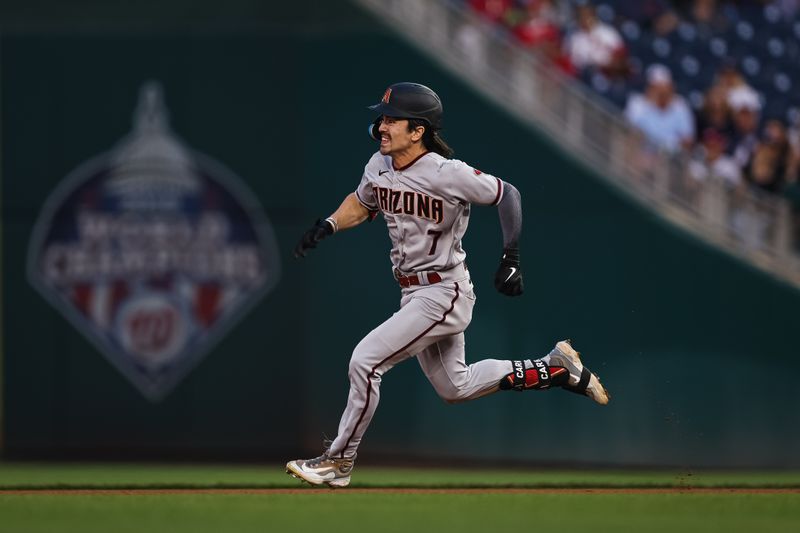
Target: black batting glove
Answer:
pixel 508 278
pixel 312 237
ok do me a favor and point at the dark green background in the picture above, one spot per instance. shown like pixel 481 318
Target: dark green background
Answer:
pixel 696 348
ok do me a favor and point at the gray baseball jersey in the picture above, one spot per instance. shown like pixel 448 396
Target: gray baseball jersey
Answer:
pixel 426 205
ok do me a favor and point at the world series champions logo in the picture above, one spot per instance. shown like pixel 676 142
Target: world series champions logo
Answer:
pixel 153 251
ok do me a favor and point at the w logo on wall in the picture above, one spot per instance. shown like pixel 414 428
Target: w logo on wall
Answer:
pixel 153 251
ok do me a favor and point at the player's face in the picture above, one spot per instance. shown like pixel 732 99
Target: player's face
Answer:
pixel 395 137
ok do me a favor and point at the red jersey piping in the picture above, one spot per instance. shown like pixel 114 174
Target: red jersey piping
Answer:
pixel 499 191
pixel 414 161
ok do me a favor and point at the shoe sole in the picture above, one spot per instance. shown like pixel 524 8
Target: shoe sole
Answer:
pixel 334 483
pixel 595 390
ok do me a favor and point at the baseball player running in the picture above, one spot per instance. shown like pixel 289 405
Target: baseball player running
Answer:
pixel 425 198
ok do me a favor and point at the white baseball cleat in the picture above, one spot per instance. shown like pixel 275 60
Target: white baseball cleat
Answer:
pixel 581 379
pixel 322 470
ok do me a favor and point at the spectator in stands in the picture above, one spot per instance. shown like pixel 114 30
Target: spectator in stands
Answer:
pixel 729 78
pixel 652 15
pixel 706 15
pixel 537 23
pixel 494 10
pixel 539 29
pixel 792 193
pixel 554 52
pixel 662 115
pixel 536 10
pixel 715 114
pixel 793 170
pixel 792 188
pixel 746 109
pixel 776 136
pixel 751 221
pixel 596 44
pixel 711 161
pixel 763 172
pixel 788 8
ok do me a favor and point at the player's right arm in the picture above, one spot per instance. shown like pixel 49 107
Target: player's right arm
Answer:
pixel 357 207
pixel 351 213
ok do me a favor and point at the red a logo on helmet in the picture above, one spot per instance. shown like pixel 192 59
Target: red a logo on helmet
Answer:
pixel 386 96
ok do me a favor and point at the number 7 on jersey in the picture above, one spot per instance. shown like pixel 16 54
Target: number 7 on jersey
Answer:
pixel 436 234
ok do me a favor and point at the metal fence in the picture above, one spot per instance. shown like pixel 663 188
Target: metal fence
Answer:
pixel 755 227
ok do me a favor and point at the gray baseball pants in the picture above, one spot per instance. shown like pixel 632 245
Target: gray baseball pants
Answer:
pixel 430 325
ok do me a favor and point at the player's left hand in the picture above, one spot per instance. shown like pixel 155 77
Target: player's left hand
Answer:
pixel 508 278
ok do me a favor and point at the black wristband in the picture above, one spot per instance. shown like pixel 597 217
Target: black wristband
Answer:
pixel 511 255
pixel 326 226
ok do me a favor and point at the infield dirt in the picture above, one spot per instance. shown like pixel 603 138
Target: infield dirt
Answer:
pixel 382 490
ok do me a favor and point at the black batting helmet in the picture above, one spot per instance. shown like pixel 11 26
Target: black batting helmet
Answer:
pixel 409 100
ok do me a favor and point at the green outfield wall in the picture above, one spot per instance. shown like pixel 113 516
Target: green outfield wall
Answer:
pixel 696 348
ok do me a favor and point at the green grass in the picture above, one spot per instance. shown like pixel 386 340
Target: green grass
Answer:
pixel 339 511
pixel 322 510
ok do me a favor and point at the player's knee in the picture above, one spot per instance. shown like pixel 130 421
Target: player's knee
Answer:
pixel 359 365
pixel 457 388
pixel 357 370
pixel 452 400
pixel 452 395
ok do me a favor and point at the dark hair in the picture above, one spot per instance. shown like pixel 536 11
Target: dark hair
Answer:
pixel 431 138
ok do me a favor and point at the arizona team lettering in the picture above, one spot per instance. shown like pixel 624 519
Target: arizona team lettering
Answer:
pixel 409 203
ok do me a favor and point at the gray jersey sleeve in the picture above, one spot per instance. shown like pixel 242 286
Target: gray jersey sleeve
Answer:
pixel 469 184
pixel 365 192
